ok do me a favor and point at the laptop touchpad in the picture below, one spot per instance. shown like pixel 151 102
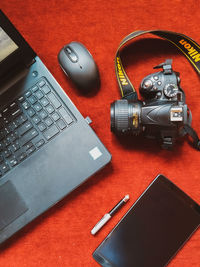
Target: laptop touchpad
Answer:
pixel 11 204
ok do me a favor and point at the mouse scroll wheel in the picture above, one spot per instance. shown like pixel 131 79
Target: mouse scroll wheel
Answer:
pixel 71 54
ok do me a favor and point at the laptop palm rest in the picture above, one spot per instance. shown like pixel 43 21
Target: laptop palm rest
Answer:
pixel 11 204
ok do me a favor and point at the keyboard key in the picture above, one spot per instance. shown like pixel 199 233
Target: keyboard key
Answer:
pixel 16 113
pixel 13 161
pixel 5 167
pixel 27 146
pixel 51 132
pixel 13 105
pixel 7 141
pixel 55 116
pixel 30 150
pixel 15 146
pixel 22 156
pixel 28 93
pixel 61 124
pixel 50 109
pixel 36 119
pixel 28 137
pixel 13 137
pixel 7 153
pixel 48 121
pixel 43 114
pixel 13 125
pixel 9 126
pixel 34 88
pixel 65 115
pixel 21 99
pixel 54 100
pixel 44 101
pixel 42 83
pixel 37 107
pixel 39 94
pixel 21 119
pixel 46 89
pixel 5 110
pixel 6 130
pixel 31 112
pixel 32 99
pixel 42 127
pixel 26 105
pixel 5 113
pixel 40 143
pixel 6 120
pixel 24 128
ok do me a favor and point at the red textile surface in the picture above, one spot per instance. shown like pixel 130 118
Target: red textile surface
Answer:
pixel 61 237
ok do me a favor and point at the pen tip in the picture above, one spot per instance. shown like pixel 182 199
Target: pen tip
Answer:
pixel 92 232
pixel 126 198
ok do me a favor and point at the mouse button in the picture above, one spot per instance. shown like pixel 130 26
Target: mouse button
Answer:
pixel 71 54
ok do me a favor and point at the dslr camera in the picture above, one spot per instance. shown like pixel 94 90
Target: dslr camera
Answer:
pixel 162 114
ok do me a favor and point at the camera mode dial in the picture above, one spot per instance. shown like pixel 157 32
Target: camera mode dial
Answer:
pixel 170 90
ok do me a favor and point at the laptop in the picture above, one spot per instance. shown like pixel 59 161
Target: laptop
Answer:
pixel 47 148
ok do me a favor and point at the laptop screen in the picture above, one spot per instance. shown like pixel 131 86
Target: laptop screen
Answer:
pixel 15 52
pixel 7 45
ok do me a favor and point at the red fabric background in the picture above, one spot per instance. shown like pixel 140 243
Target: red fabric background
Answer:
pixel 61 237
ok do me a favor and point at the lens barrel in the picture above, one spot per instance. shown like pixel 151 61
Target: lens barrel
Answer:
pixel 125 116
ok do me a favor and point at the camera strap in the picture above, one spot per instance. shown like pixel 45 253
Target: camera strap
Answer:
pixel 185 44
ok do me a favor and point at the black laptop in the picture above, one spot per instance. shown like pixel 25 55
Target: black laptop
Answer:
pixel 47 148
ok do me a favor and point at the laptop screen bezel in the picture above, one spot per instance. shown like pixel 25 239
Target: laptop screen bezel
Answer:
pixel 23 55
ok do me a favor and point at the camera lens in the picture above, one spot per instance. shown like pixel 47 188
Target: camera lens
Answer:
pixel 125 116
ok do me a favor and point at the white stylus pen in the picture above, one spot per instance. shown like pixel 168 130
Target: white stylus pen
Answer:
pixel 108 215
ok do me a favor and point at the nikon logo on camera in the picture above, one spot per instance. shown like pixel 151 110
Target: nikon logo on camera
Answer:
pixel 192 52
pixel 135 120
pixel 120 72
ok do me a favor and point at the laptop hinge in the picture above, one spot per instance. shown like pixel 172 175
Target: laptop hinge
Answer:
pixel 30 63
pixel 13 77
pixel 17 73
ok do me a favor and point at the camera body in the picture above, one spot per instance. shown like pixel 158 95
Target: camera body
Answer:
pixel 161 115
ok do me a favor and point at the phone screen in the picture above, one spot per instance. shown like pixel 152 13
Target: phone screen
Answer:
pixel 153 230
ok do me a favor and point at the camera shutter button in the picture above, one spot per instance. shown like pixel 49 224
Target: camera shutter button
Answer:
pixel 147 84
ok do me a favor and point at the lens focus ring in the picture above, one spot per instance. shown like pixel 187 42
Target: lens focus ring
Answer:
pixel 119 116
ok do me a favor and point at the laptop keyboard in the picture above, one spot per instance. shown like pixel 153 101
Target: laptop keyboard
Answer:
pixel 30 122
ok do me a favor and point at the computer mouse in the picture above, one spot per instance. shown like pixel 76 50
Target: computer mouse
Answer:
pixel 79 65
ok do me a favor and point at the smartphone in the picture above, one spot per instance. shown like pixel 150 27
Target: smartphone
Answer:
pixel 153 230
